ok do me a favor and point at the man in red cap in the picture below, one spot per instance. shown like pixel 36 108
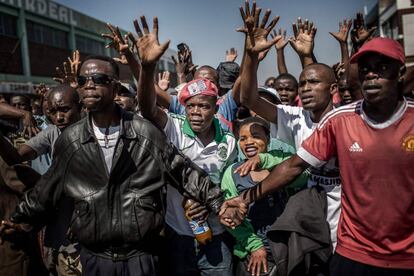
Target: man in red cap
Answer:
pixel 373 140
pixel 199 136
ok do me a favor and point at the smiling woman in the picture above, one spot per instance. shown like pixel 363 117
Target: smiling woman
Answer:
pixel 254 136
pixel 252 247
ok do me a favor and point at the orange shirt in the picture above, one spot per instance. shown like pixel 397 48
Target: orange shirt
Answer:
pixel 376 162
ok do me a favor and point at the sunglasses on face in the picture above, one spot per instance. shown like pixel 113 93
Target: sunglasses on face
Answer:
pixel 98 79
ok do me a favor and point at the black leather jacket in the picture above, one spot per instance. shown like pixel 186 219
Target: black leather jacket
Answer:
pixel 122 207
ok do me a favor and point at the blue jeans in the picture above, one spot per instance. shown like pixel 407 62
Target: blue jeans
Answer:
pixel 188 258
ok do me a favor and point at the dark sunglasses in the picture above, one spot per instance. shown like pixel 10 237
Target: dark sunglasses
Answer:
pixel 98 79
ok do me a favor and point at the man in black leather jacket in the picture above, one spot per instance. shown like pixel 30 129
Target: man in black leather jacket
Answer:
pixel 112 165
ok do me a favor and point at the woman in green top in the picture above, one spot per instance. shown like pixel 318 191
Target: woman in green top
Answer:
pixel 252 247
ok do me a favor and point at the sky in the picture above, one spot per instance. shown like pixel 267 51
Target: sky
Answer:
pixel 208 26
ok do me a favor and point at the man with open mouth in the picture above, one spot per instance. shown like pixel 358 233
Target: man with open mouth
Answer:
pixel 374 142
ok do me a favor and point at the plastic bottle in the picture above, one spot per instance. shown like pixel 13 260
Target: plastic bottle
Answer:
pixel 201 230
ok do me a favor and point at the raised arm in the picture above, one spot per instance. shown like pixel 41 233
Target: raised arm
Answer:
pixel 256 42
pixel 231 55
pixel 303 41
pixel 149 51
pixel 280 50
pixel 69 72
pixel 120 44
pixel 342 37
pixel 360 34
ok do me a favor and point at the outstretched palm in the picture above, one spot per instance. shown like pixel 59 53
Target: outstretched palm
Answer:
pixel 117 42
pixel 303 44
pixel 303 40
pixel 282 42
pixel 148 46
pixel 344 28
pixel 68 75
pixel 256 34
pixel 360 34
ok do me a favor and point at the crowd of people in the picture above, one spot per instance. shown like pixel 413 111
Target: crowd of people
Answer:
pixel 307 176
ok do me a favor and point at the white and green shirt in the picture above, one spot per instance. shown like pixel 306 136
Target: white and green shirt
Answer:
pixel 213 159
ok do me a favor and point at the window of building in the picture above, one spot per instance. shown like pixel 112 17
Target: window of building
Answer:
pixel 170 66
pixel 89 46
pixel 390 27
pixel 8 25
pixel 43 34
pixel 161 66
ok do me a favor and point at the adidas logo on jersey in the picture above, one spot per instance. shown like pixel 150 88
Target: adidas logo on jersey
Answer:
pixel 355 148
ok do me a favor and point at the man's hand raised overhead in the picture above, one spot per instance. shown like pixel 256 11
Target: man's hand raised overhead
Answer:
pixel 148 46
pixel 342 34
pixel 118 42
pixel 360 34
pixel 68 75
pixel 257 33
pixel 303 37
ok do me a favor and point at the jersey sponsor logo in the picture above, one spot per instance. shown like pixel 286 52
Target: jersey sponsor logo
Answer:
pixel 326 182
pixel 355 147
pixel 408 143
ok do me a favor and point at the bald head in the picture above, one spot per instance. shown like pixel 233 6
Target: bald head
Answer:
pixel 326 71
pixel 316 83
pixel 63 106
pixel 207 72
pixel 63 91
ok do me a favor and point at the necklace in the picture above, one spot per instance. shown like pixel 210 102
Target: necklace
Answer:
pixel 106 140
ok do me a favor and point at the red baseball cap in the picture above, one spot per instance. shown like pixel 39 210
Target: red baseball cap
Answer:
pixel 201 86
pixel 383 46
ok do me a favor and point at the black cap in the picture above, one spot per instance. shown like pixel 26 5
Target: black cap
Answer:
pixel 228 73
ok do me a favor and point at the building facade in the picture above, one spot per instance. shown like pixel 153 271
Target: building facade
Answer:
pixel 395 19
pixel 36 36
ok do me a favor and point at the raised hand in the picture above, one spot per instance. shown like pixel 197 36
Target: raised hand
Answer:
pixel 231 55
pixel 303 37
pixel 342 34
pixel 187 56
pixel 74 62
pixel 164 80
pixel 148 46
pixel 263 54
pixel 282 42
pixel 256 33
pixel 183 62
pixel 118 42
pixel 70 71
pixel 359 34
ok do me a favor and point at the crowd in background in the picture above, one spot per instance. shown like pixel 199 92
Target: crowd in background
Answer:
pixel 295 176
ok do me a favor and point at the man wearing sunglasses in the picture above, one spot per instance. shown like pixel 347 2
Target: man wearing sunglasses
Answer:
pixel 112 165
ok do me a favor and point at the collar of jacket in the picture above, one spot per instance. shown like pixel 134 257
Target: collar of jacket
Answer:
pixel 127 129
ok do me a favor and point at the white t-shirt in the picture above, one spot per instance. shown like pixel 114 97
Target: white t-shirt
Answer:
pixel 213 159
pixel 294 125
pixel 107 139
